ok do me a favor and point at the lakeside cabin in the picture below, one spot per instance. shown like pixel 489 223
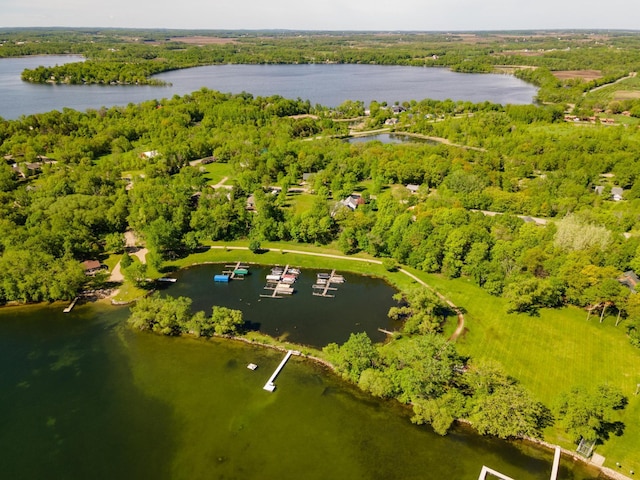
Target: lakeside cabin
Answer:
pixel 91 267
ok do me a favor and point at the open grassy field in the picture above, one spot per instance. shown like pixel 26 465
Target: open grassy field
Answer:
pixel 625 89
pixel 551 353
pixel 300 202
pixel 215 172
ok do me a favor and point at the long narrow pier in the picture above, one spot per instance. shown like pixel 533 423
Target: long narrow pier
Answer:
pixel 387 332
pixel 556 464
pixel 270 386
pixel 71 305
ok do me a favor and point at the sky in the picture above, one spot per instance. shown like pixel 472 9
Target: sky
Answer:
pixel 423 15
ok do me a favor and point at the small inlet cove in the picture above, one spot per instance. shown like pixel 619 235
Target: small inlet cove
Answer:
pixel 85 396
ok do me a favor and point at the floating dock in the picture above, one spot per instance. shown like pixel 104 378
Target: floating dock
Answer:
pixel 237 271
pixel 324 284
pixel 270 386
pixel 280 281
pixel 71 305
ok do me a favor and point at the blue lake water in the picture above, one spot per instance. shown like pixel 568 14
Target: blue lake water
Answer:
pixel 328 85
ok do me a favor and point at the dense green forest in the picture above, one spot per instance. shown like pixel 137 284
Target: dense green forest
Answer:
pixel 537 204
pixel 67 191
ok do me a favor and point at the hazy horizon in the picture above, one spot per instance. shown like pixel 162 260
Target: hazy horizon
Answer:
pixel 327 15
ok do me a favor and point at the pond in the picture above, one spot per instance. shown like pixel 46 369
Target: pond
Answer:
pixel 360 304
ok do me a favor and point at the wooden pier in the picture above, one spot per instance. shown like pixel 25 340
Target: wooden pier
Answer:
pixel 556 464
pixel 71 305
pixel 325 283
pixel 270 386
pixel 489 471
pixel 494 473
pixel 387 332
pixel 237 272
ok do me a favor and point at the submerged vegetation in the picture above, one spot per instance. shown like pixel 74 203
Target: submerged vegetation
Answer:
pixel 537 205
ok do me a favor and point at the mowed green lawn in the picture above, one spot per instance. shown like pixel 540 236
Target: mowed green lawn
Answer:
pixel 551 353
pixel 215 172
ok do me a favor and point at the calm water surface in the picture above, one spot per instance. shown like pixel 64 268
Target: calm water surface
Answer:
pixel 359 305
pixel 82 396
pixel 328 85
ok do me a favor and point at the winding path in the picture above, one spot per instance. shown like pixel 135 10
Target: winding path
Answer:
pixel 130 244
pixel 460 327
pixel 221 184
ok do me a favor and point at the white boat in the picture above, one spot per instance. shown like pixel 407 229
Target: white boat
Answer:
pixel 273 278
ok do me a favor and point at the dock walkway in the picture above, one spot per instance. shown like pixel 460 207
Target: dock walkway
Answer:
pixel 270 386
pixel 71 305
pixel 323 289
pixel 279 287
pixel 486 471
pixel 237 272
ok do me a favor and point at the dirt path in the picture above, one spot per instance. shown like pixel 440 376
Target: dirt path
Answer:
pixel 130 246
pixel 631 75
pixel 460 327
pixel 116 274
pixel 221 184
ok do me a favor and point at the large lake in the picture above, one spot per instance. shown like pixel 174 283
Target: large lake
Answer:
pixel 82 396
pixel 328 85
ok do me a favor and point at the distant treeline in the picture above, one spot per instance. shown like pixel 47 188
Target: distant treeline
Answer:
pixel 130 56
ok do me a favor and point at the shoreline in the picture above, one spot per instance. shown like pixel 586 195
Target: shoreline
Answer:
pixel 575 457
pixel 108 299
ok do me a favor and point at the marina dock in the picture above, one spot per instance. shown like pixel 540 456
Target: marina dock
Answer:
pixel 237 271
pixel 324 284
pixel 270 386
pixel 280 281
